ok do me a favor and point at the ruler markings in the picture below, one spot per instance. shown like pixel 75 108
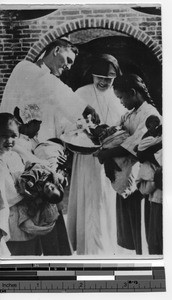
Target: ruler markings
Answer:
pixel 159 274
pixel 81 278
pixel 112 285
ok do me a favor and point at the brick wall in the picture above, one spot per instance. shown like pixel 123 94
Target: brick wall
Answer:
pixel 80 22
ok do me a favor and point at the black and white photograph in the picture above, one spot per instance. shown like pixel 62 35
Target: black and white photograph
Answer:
pixel 81 131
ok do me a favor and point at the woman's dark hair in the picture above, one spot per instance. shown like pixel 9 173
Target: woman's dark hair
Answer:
pixel 5 120
pixel 61 43
pixel 127 82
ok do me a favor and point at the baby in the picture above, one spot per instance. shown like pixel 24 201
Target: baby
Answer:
pixel 42 191
pixel 149 153
pixel 146 152
pixel 154 127
pixel 37 180
pixel 103 133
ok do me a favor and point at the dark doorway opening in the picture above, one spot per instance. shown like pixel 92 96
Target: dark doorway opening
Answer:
pixel 133 57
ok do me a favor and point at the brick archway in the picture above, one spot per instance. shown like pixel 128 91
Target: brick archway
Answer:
pixel 88 23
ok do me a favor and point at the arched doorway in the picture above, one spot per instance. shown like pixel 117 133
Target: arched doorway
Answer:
pixel 133 57
pixel 134 49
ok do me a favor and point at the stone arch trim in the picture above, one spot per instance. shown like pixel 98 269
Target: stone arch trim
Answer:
pixel 69 27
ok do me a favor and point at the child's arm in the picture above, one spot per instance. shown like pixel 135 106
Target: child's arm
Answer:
pixel 148 147
pixel 148 154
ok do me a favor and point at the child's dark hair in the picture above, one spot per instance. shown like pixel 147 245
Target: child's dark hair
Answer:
pixel 152 120
pixel 127 82
pixel 154 126
pixel 6 119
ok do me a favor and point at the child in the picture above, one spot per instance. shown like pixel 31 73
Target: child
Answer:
pixel 103 131
pixel 154 129
pixel 28 131
pixel 42 190
pixel 25 238
pixel 149 182
pixel 37 180
pixel 11 165
pixel 51 155
pixel 146 151
pixel 134 95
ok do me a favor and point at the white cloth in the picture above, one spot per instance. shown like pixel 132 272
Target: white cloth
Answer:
pixel 4 252
pixel 8 196
pixel 42 95
pixel 4 209
pixel 49 151
pixel 91 220
pixel 11 167
pixel 158 157
pixel 25 143
pixel 125 180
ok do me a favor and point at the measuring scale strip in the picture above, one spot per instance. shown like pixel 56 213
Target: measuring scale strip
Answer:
pixel 38 278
